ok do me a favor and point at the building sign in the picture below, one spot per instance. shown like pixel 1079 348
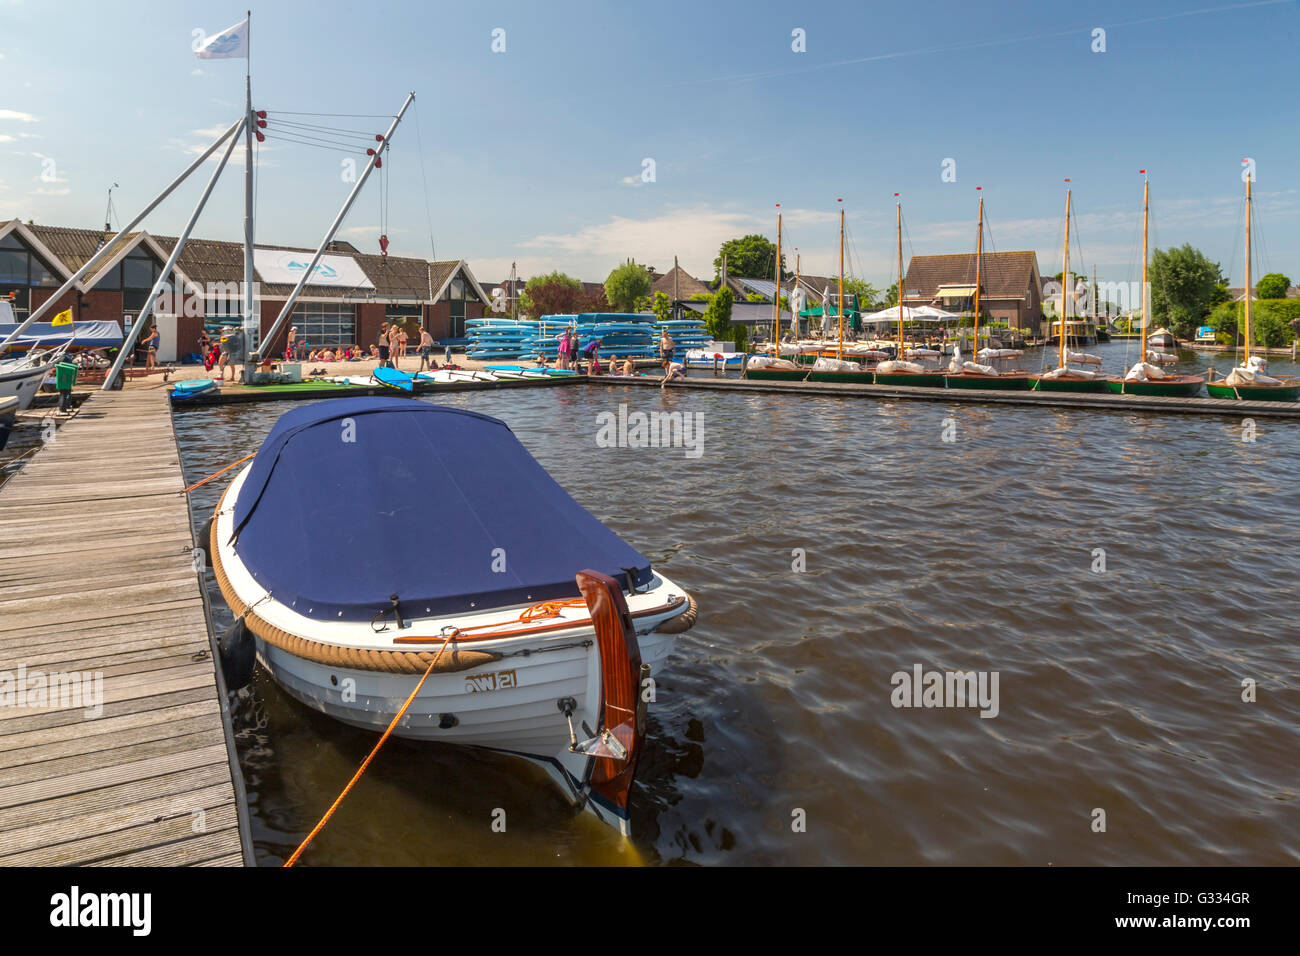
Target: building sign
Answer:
pixel 277 265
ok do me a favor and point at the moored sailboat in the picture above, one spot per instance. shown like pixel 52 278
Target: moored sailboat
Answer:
pixel 773 368
pixel 1147 376
pixel 838 369
pixel 973 374
pixel 1250 380
pixel 1065 378
pixel 899 371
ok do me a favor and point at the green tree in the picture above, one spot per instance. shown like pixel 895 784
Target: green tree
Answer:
pixel 1182 288
pixel 752 257
pixel 626 284
pixel 552 294
pixel 891 295
pixel 662 306
pixel 717 317
pixel 1272 286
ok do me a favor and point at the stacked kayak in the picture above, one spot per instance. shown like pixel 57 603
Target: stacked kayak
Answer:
pixel 627 335
pixel 191 389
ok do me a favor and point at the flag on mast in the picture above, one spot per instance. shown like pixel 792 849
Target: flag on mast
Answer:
pixel 63 318
pixel 230 43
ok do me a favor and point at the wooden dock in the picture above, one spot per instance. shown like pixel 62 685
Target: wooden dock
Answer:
pixel 97 578
pixel 1103 401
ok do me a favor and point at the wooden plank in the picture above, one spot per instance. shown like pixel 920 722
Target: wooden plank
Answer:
pixel 97 576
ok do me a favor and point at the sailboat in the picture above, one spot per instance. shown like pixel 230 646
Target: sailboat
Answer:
pixel 898 371
pixel 1250 380
pixel 837 369
pixel 773 368
pixel 1063 378
pixel 1147 377
pixel 972 374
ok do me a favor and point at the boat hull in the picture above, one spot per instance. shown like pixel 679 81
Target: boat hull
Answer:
pixel 1289 392
pixel 8 409
pixel 777 374
pixel 1067 384
pixel 1183 386
pixel 844 378
pixel 22 384
pixel 1017 382
pixel 913 379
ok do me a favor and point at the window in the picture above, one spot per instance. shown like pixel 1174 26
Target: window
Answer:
pixel 10 242
pixel 326 323
pixel 13 268
pixel 138 272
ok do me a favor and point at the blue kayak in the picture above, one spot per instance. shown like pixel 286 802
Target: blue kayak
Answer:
pixel 191 388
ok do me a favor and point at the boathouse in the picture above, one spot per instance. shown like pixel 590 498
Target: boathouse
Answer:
pixel 351 294
pixel 1011 293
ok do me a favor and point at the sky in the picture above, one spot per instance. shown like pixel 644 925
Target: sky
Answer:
pixel 541 153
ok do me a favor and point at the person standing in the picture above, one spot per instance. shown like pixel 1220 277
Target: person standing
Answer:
pixel 382 340
pixel 291 350
pixel 426 350
pixel 562 352
pixel 666 349
pixel 573 347
pixel 395 342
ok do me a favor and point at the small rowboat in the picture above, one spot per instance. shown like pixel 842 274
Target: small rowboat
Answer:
pixel 538 627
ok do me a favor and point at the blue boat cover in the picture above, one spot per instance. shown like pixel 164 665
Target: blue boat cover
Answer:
pixel 353 500
pixel 91 335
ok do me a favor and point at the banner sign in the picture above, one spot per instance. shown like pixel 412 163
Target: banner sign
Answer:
pixel 279 266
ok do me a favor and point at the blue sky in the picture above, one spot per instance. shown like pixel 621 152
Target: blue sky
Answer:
pixel 536 154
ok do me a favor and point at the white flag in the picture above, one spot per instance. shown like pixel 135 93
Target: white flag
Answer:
pixel 228 44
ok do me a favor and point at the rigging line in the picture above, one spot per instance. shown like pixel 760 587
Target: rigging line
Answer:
pixel 344 115
pixel 317 138
pixel 328 129
pixel 338 147
pixel 419 142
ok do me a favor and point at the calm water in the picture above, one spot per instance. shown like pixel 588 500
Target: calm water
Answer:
pixel 1118 690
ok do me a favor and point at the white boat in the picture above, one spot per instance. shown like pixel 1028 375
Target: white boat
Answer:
pixel 540 644
pixel 716 358
pixel 21 377
pixel 1162 338
pixel 8 409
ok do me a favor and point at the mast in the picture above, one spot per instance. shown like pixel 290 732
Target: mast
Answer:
pixel 249 122
pixel 1249 180
pixel 979 254
pixel 839 354
pixel 776 299
pixel 900 277
pixel 1146 192
pixel 1065 274
pixel 796 303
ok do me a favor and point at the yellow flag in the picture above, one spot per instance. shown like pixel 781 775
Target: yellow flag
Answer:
pixel 63 318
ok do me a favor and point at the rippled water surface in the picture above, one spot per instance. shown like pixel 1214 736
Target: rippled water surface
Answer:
pixel 1119 690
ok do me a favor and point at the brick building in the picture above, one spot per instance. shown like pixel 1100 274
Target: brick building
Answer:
pixel 357 293
pixel 1012 288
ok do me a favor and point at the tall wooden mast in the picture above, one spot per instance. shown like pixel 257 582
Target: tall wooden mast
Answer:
pixel 1249 180
pixel 1065 275
pixel 900 277
pixel 979 255
pixel 839 353
pixel 776 299
pixel 1146 194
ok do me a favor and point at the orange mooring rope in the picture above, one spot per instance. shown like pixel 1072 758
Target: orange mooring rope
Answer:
pixel 218 474
pixel 365 763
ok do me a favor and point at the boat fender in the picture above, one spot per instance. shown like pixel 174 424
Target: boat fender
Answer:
pixel 205 533
pixel 682 622
pixel 237 654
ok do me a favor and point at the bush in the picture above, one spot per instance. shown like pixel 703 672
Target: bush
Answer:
pixel 1271 320
pixel 1272 286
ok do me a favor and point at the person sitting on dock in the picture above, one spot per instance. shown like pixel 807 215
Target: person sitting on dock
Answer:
pixel 629 368
pixel 673 370
pixel 615 367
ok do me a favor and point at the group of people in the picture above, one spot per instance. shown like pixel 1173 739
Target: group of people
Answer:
pixel 227 351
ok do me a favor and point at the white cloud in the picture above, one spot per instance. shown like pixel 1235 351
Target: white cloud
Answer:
pixel 46 191
pixel 18 116
pixel 197 72
pixel 6 139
